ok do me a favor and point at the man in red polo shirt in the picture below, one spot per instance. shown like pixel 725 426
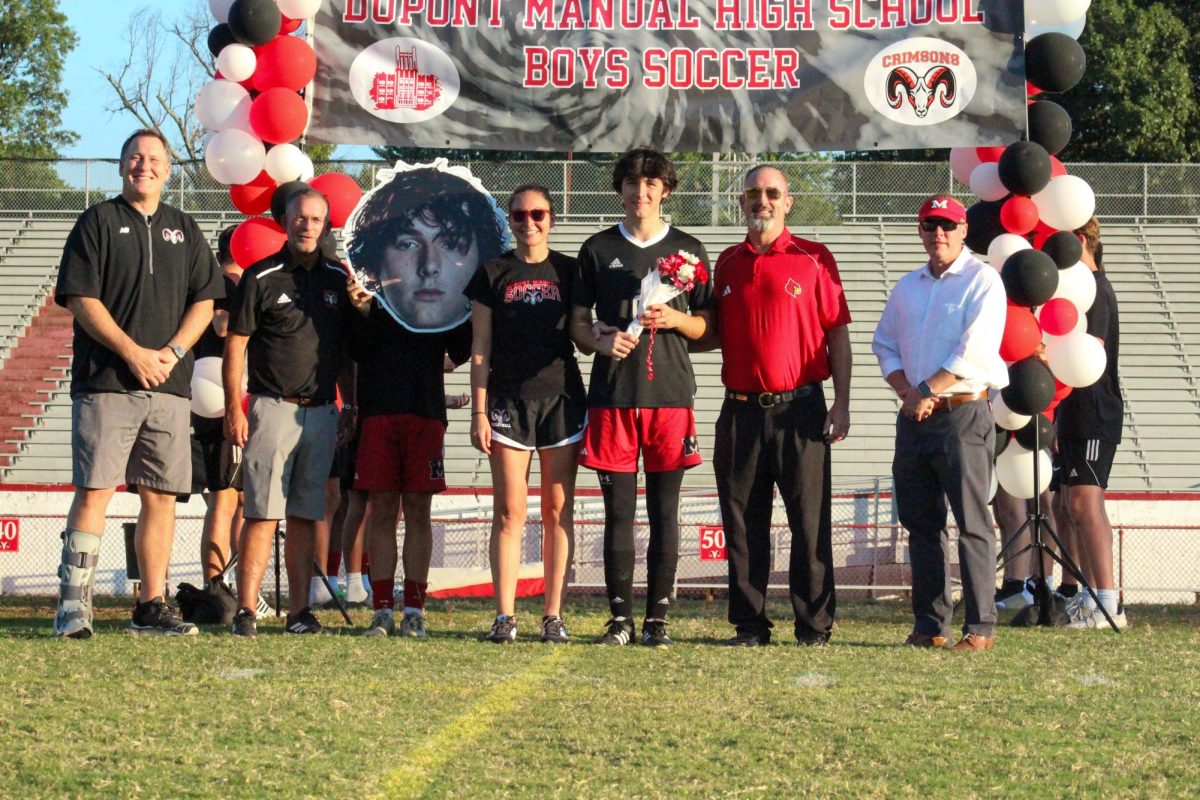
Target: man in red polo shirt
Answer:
pixel 781 320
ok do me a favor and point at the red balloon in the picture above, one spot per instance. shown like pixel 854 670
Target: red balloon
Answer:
pixel 287 26
pixel 1021 334
pixel 1032 90
pixel 342 192
pixel 1061 390
pixel 255 239
pixel 254 197
pixel 1042 232
pixel 1056 167
pixel 285 61
pixel 278 115
pixel 986 154
pixel 1059 316
pixel 1018 215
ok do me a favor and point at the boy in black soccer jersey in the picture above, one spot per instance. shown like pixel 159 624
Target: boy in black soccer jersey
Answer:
pixel 632 410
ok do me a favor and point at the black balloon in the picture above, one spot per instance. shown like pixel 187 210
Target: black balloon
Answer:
pixel 1030 387
pixel 1030 278
pixel 219 38
pixel 1024 168
pixel 1003 437
pixel 1049 126
pixel 983 224
pixel 1042 427
pixel 280 198
pixel 1054 62
pixel 254 22
pixel 1063 248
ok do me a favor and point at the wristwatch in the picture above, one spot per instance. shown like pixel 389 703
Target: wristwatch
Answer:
pixel 177 350
pixel 924 389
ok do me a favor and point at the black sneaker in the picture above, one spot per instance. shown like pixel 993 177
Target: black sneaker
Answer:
pixel 1013 595
pixel 620 632
pixel 654 634
pixel 304 622
pixel 156 618
pixel 554 630
pixel 812 639
pixel 504 630
pixel 244 624
pixel 748 639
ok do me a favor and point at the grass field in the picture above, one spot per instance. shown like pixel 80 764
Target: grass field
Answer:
pixel 1049 713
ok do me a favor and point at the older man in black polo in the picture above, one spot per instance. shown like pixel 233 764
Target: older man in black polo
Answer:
pixel 291 314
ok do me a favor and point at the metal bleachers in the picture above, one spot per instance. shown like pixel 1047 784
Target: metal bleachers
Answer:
pixel 1151 268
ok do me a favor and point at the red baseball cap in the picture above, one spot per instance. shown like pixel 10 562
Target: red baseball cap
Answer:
pixel 942 206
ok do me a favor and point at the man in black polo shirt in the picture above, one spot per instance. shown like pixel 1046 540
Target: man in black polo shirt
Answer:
pixel 140 281
pixel 291 313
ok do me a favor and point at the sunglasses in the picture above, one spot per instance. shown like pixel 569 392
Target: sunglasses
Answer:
pixel 536 214
pixel 931 225
pixel 772 193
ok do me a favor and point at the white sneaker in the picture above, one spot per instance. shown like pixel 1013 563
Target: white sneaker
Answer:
pixel 263 609
pixel 1076 606
pixel 382 624
pixel 413 624
pixel 1096 621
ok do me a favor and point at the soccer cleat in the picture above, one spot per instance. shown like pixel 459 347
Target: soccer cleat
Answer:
pixel 504 630
pixel 383 623
pixel 244 624
pixel 156 618
pixel 263 609
pixel 1095 621
pixel 654 634
pixel 76 574
pixel 302 623
pixel 620 632
pixel 1014 595
pixel 413 624
pixel 554 630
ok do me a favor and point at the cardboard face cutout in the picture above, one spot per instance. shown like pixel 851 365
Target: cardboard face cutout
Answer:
pixel 417 238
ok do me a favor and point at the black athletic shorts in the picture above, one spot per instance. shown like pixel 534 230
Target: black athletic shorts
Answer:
pixel 343 463
pixel 537 424
pixel 1085 462
pixel 216 464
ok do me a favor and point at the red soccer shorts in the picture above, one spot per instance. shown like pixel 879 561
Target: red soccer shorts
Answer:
pixel 400 452
pixel 666 438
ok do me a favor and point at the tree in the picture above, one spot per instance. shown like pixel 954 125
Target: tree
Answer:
pixel 34 43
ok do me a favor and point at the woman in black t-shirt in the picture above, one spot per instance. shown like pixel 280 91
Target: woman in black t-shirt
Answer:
pixel 527 394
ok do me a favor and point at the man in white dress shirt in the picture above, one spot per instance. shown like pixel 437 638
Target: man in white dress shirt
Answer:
pixel 938 345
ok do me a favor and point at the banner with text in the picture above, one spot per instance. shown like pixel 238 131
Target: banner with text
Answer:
pixel 682 75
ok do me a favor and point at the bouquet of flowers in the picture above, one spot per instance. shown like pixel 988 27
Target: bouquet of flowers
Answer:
pixel 672 276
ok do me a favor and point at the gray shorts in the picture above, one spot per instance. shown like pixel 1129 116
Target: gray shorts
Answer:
pixel 287 459
pixel 136 438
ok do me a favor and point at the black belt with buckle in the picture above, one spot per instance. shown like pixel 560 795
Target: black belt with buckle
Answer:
pixel 768 399
pixel 306 401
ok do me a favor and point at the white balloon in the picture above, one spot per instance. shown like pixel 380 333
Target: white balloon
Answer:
pixel 298 9
pixel 1005 417
pixel 963 160
pixel 208 394
pixel 234 156
pixel 993 487
pixel 1076 359
pixel 220 9
pixel 1055 12
pixel 1077 284
pixel 1066 203
pixel 1074 28
pixel 1004 246
pixel 286 162
pixel 237 62
pixel 1014 471
pixel 222 104
pixel 985 181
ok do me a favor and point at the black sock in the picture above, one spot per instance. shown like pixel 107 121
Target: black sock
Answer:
pixel 662 555
pixel 620 505
pixel 1068 589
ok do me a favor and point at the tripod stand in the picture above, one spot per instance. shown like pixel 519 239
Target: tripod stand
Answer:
pixel 280 535
pixel 1036 522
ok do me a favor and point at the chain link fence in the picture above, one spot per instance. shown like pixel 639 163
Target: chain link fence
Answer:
pixel 826 192
pixel 1153 563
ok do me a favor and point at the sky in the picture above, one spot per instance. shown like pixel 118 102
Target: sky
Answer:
pixel 102 26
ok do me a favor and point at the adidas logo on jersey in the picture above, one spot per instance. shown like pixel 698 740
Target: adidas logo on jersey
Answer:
pixel 728 291
pixel 616 264
pixel 283 298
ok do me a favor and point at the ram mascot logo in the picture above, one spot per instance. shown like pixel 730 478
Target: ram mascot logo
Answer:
pixel 936 85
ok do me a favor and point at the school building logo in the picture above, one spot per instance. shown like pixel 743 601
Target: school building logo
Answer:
pixel 404 80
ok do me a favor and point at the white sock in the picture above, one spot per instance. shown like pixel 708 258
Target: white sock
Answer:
pixel 317 593
pixel 1087 603
pixel 1051 582
pixel 356 590
pixel 1109 599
